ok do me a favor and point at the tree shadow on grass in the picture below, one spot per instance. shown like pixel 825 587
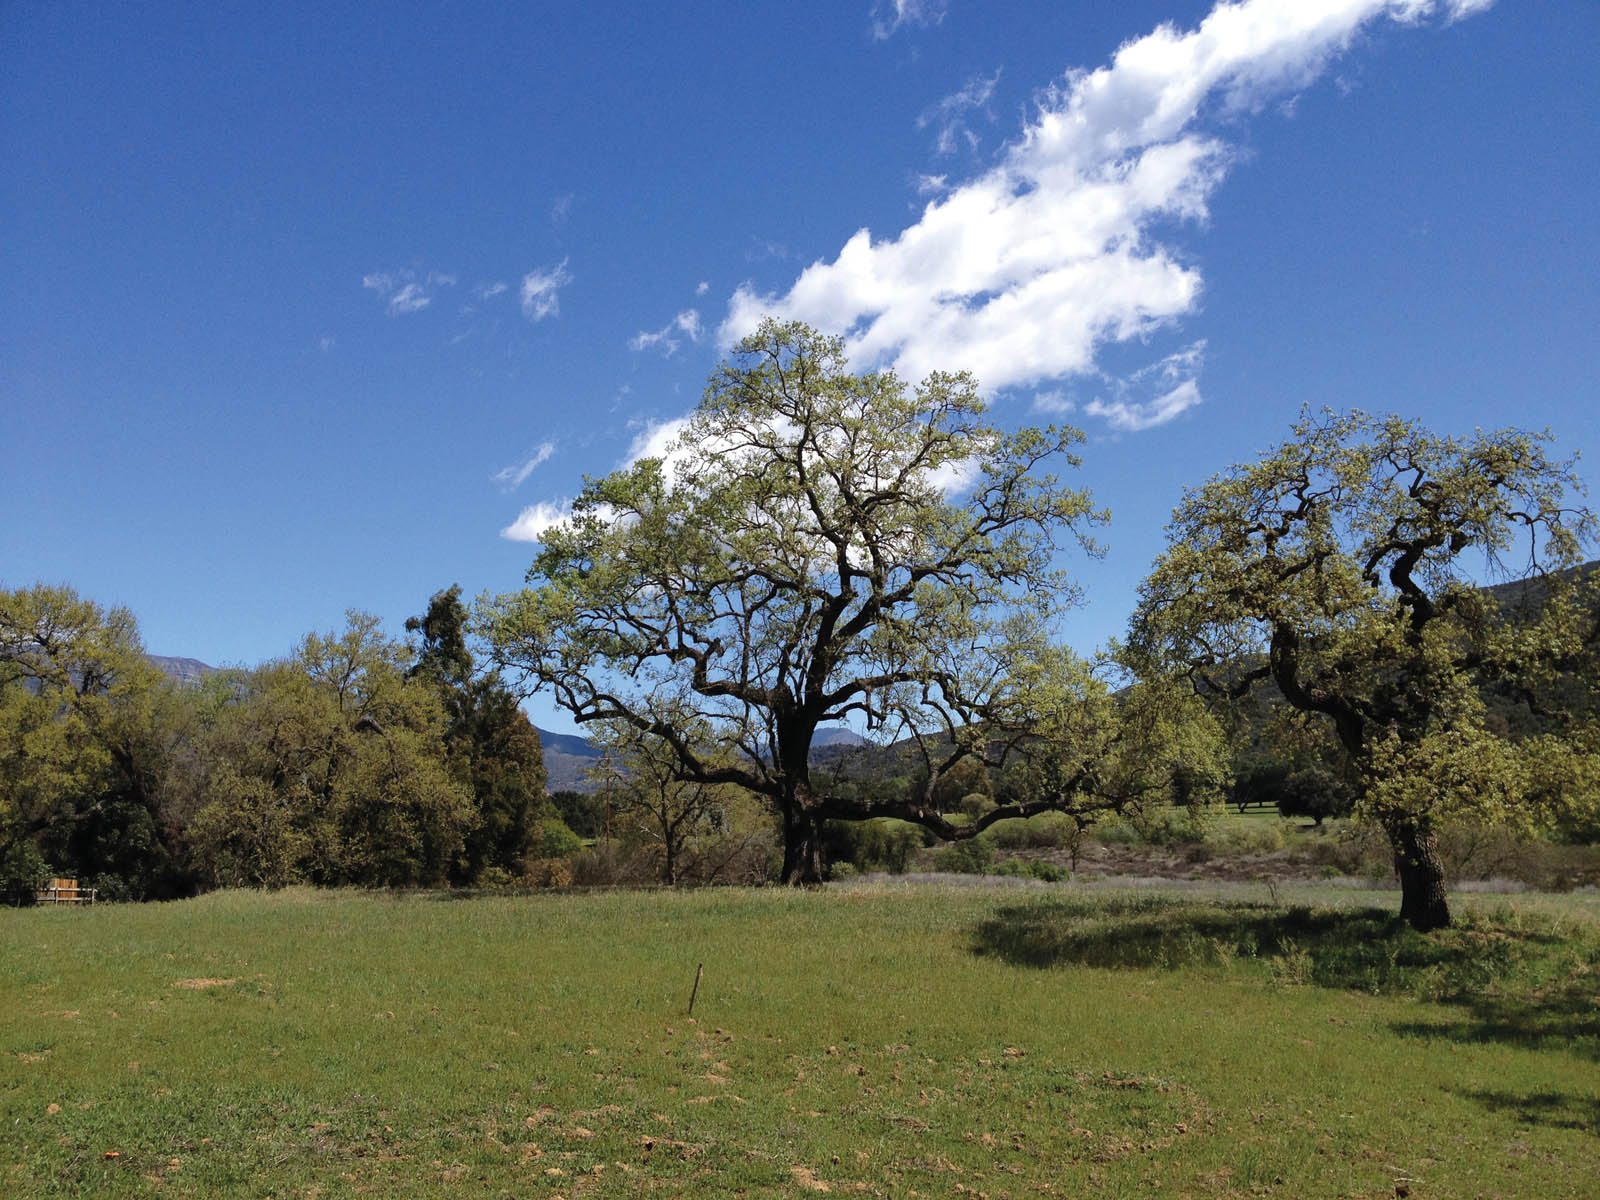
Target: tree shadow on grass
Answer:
pixel 1563 1018
pixel 1519 981
pixel 1555 1110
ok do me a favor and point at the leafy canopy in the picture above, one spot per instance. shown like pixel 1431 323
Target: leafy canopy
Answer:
pixel 1341 567
pixel 815 546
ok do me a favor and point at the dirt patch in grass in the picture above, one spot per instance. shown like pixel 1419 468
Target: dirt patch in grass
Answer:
pixel 200 985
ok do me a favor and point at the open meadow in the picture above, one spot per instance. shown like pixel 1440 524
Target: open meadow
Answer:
pixel 875 1039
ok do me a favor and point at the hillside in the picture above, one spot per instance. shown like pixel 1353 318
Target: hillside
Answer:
pixel 182 671
pixel 567 761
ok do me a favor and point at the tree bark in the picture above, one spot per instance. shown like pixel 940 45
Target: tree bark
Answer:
pixel 802 846
pixel 1416 860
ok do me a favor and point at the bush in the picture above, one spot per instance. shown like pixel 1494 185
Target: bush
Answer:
pixel 1032 868
pixel 881 844
pixel 547 873
pixel 22 871
pixel 1116 831
pixel 558 841
pixel 1171 826
pixel 1047 831
pixel 970 856
pixel 494 879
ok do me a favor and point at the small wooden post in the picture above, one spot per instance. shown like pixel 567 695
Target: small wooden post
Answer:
pixel 696 992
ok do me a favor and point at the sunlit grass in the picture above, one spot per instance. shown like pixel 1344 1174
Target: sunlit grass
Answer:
pixel 887 1040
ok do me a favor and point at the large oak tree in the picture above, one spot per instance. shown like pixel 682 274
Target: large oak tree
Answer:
pixel 1341 567
pixel 817 547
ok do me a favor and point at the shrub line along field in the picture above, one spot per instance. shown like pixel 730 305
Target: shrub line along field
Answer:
pixel 865 1039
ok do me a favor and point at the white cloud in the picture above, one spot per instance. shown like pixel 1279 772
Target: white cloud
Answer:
pixel 1152 395
pixel 949 116
pixel 659 439
pixel 701 288
pixel 1022 273
pixel 536 520
pixel 686 323
pixel 1055 402
pixel 489 291
pixel 561 209
pixel 541 291
pixel 406 291
pixel 954 478
pixel 512 477
pixel 1127 416
pixel 410 298
pixel 888 16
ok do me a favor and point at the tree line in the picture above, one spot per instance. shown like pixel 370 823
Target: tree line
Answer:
pixel 822 546
pixel 358 759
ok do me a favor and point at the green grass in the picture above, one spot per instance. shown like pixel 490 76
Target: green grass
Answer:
pixel 880 1041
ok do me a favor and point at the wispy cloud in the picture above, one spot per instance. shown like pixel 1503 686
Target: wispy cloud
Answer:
pixel 1129 417
pixel 406 291
pixel 949 116
pixel 1055 403
pixel 890 16
pixel 536 520
pixel 541 291
pixel 489 291
pixel 1022 273
pixel 561 209
pixel 512 477
pixel 665 339
pixel 1152 395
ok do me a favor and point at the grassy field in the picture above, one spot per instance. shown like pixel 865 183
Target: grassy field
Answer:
pixel 891 1040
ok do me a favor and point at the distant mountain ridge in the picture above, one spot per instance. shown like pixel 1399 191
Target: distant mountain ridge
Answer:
pixel 182 671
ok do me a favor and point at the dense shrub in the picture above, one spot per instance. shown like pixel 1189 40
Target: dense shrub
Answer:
pixel 970 856
pixel 881 844
pixel 557 841
pixel 1032 868
pixel 1047 831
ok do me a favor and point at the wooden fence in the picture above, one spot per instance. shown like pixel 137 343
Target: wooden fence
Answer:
pixel 64 891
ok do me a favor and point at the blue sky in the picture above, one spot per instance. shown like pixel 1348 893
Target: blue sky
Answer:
pixel 306 307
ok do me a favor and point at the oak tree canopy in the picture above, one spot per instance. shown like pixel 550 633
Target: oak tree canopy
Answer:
pixel 817 547
pixel 1341 567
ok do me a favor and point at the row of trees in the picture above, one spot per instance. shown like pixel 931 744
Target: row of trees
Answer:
pixel 823 547
pixel 820 546
pixel 357 759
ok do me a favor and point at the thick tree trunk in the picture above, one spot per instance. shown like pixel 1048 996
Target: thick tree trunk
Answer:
pixel 1416 860
pixel 802 847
